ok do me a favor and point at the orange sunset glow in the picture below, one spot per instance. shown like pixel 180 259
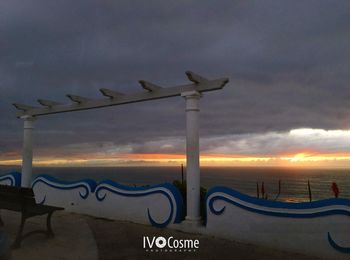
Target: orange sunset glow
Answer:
pixel 304 159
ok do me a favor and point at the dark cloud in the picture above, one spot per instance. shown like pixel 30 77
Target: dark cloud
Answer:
pixel 288 63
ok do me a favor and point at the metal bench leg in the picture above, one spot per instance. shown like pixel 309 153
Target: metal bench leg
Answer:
pixel 1 222
pixel 48 224
pixel 18 239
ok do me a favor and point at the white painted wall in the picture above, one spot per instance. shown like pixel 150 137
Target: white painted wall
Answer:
pixel 307 235
pixel 12 179
pixel 157 205
pixel 230 214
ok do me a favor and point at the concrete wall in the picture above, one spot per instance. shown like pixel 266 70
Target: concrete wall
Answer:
pixel 158 205
pixel 12 179
pixel 320 228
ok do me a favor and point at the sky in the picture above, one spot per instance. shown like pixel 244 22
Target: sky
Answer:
pixel 287 102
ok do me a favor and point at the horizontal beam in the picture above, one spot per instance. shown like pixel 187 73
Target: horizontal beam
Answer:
pixel 22 107
pixel 110 93
pixel 149 86
pixel 48 103
pixel 195 77
pixel 78 99
pixel 154 92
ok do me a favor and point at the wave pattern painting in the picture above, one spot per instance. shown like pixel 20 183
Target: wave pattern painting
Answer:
pixel 12 179
pixel 158 205
pixel 319 228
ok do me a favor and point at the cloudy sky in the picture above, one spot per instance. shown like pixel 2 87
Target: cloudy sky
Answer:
pixel 287 103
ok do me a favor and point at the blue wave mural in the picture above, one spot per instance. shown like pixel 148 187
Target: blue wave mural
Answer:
pixel 168 190
pixel 14 178
pixel 280 209
pixel 88 185
pixel 97 193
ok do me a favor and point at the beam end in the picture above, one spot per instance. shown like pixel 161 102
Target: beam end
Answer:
pixel 77 99
pixel 48 103
pixel 111 93
pixel 224 81
pixel 195 78
pixel 149 86
pixel 22 106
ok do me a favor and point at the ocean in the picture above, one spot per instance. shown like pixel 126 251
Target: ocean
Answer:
pixel 293 181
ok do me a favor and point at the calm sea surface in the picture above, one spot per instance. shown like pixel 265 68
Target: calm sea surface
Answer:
pixel 293 180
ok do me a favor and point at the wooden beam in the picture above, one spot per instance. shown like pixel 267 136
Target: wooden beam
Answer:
pixel 195 77
pixel 78 99
pixel 110 93
pixel 48 103
pixel 22 107
pixel 80 103
pixel 149 86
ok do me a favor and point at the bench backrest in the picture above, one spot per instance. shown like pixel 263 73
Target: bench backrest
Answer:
pixel 15 198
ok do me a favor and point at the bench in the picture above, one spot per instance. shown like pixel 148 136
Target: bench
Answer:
pixel 22 200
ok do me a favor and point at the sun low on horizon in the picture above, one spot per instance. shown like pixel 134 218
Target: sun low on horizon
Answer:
pixel 305 147
pixel 273 80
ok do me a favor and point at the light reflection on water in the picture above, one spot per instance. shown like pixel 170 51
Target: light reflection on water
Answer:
pixel 293 180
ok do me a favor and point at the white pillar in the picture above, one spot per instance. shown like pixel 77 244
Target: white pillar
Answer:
pixel 192 157
pixel 27 153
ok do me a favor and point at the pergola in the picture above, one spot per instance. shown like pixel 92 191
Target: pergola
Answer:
pixel 191 93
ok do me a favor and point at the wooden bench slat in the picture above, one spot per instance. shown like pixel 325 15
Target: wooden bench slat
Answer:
pixel 22 200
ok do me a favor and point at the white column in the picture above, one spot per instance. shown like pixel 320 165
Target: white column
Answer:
pixel 192 156
pixel 27 153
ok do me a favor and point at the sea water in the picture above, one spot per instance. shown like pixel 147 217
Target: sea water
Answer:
pixel 293 181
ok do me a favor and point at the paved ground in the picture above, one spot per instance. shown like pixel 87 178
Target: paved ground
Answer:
pixel 123 240
pixel 89 238
pixel 73 237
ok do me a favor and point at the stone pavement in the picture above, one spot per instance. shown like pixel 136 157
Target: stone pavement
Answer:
pixel 73 237
pixel 84 237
